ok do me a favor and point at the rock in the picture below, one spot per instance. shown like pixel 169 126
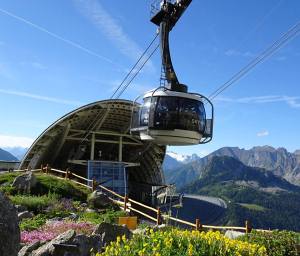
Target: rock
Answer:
pixel 52 248
pixel 20 208
pixel 73 216
pixel 139 231
pixel 89 210
pixel 25 215
pixel 27 249
pixel 84 205
pixel 25 182
pixel 159 227
pixel 9 228
pixel 99 200
pixel 87 243
pixel 110 232
pixel 233 234
pixel 55 219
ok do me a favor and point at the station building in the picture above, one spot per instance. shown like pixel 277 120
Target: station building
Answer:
pixel 95 142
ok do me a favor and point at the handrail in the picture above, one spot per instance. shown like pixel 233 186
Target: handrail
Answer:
pixel 79 183
pixel 52 169
pixel 142 213
pixel 223 227
pixel 80 177
pixel 143 205
pixel 112 192
pixel 181 221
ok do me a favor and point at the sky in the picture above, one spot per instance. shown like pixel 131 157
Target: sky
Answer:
pixel 57 55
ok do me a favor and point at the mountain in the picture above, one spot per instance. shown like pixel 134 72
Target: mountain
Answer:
pixel 183 175
pixel 18 152
pixel 279 161
pixel 6 156
pixel 251 193
pixel 224 169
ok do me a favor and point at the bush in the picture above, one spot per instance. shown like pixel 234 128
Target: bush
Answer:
pixel 97 218
pixel 33 223
pixel 277 243
pixel 178 242
pixel 35 203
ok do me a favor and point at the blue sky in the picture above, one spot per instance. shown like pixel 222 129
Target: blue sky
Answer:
pixel 56 55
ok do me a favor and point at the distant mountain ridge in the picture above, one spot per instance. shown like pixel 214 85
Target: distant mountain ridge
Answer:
pixel 6 156
pixel 226 169
pixel 18 152
pixel 279 161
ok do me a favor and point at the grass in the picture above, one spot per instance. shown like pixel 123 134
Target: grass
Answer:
pixel 254 207
pixel 64 188
pixel 46 184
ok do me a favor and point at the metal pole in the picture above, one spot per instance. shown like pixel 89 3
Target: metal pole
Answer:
pixel 92 157
pixel 120 149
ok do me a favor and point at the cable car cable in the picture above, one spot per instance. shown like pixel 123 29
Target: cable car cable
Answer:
pixel 126 86
pixel 94 123
pixel 134 66
pixel 268 52
pixel 278 44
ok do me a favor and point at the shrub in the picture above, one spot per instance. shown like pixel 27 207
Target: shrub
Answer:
pixel 35 203
pixel 33 223
pixel 178 242
pixel 97 218
pixel 277 243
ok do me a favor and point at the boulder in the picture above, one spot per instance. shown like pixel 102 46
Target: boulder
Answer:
pixel 20 208
pixel 110 232
pixel 140 231
pixel 99 200
pixel 52 248
pixel 73 216
pixel 25 215
pixel 9 228
pixel 89 210
pixel 87 243
pixel 27 249
pixel 25 182
pixel 233 234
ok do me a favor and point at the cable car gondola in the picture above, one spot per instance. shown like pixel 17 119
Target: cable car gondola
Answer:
pixel 169 115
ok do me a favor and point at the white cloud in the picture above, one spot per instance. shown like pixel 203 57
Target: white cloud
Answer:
pixel 15 141
pixel 34 64
pixel 263 133
pixel 111 28
pixel 248 54
pixel 5 71
pixel 292 101
pixel 232 53
pixel 38 65
pixel 40 97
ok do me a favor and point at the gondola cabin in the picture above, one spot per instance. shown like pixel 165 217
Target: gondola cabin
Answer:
pixel 173 118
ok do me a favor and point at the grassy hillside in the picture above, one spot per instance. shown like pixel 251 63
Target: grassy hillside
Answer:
pixel 251 194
